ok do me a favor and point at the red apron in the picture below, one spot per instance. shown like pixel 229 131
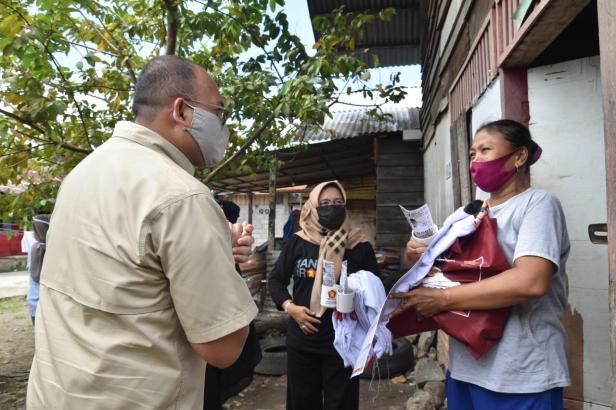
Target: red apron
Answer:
pixel 470 259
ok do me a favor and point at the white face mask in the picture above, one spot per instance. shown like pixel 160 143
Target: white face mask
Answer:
pixel 211 136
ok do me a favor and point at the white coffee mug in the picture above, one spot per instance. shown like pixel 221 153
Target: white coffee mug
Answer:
pixel 328 296
pixel 345 302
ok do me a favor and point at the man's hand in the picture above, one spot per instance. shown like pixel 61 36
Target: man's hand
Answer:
pixel 225 351
pixel 242 240
pixel 413 252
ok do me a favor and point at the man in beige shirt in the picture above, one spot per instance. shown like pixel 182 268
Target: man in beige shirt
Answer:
pixel 138 286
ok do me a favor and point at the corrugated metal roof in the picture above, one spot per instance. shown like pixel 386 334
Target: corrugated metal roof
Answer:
pixel 313 163
pixel 395 42
pixel 326 6
pixel 390 56
pixel 354 123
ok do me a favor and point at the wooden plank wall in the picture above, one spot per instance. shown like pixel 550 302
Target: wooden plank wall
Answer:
pixel 440 69
pixel 462 187
pixel 399 180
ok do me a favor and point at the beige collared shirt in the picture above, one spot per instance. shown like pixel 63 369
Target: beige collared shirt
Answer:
pixel 138 264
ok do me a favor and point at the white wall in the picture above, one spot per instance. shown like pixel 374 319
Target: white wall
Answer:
pixel 438 189
pixel 567 121
pixel 260 214
pixel 487 108
pixel 360 218
pixel 437 158
pixel 260 219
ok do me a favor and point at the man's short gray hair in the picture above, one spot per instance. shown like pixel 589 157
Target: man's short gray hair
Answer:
pixel 162 79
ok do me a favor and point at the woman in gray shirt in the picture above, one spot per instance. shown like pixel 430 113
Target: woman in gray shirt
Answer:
pixel 527 369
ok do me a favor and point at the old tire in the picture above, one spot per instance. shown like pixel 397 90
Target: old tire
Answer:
pixel 388 366
pixel 274 360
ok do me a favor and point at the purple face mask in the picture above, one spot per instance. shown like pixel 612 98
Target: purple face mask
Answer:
pixel 490 176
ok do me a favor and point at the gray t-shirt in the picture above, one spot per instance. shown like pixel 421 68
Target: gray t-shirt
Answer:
pixel 531 357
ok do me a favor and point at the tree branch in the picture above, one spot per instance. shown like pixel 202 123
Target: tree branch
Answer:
pixel 359 105
pixel 92 49
pixel 67 145
pixel 75 148
pixel 97 86
pixel 256 40
pixel 116 46
pixel 70 93
pixel 50 161
pixel 57 65
pixel 172 26
pixel 28 149
pixel 245 145
pixel 23 121
pixel 100 34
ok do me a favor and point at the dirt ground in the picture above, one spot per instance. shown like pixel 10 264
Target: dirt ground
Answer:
pixel 265 393
pixel 268 393
pixel 16 348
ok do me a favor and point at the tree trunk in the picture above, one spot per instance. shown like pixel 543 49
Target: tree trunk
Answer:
pixel 271 229
pixel 172 26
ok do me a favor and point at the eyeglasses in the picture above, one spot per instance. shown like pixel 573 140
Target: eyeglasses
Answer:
pixel 327 202
pixel 223 112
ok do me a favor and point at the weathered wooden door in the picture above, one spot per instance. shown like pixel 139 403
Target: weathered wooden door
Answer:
pixel 462 189
pixel 566 119
pixel 607 33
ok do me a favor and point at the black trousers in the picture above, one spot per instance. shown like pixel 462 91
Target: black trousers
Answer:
pixel 319 382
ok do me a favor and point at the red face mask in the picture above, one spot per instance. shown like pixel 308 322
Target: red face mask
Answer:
pixel 490 176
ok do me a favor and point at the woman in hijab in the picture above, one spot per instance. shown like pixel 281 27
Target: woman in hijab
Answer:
pixel 317 378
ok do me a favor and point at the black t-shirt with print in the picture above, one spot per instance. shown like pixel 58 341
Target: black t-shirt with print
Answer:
pixel 298 258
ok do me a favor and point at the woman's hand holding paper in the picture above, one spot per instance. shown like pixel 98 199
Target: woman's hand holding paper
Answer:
pixel 413 252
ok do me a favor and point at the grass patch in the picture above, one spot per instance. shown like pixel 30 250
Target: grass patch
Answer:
pixel 12 264
pixel 12 304
pixel 14 268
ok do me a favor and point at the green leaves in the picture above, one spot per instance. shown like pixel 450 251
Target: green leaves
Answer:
pixel 10 25
pixel 68 68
